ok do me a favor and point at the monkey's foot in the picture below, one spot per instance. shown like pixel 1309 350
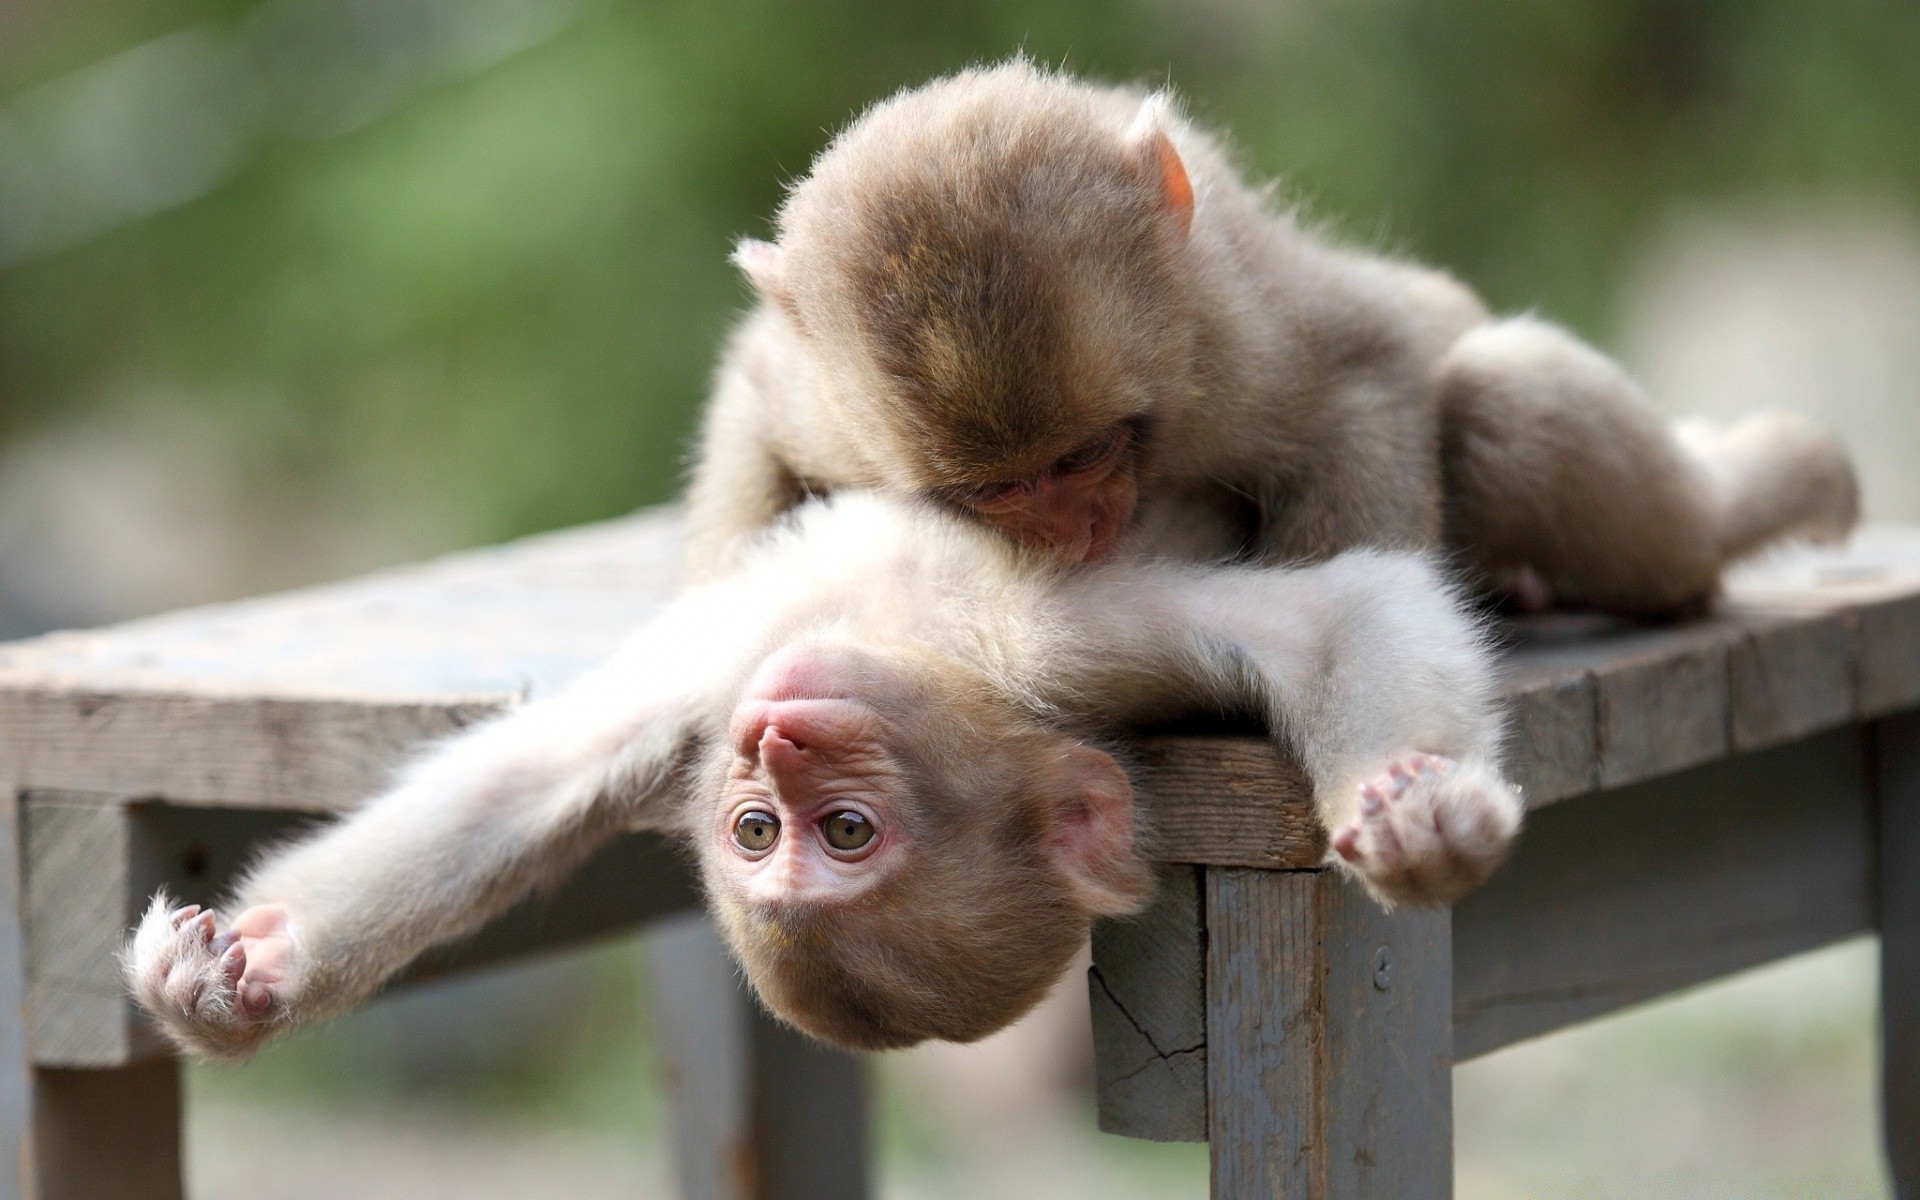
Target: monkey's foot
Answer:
pixel 211 992
pixel 1429 830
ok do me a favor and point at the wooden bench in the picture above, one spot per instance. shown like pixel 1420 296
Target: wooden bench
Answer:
pixel 1706 798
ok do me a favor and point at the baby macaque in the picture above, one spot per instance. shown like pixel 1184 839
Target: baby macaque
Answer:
pixel 1049 305
pixel 888 736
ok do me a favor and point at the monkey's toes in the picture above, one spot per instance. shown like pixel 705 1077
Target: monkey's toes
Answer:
pixel 1429 829
pixel 188 975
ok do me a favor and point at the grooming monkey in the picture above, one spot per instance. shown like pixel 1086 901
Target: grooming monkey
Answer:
pixel 885 735
pixel 1057 307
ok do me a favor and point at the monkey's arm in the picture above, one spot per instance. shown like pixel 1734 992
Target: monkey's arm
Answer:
pixel 1368 670
pixel 740 483
pixel 486 818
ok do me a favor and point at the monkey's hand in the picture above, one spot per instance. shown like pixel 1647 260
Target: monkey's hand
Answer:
pixel 213 992
pixel 1428 830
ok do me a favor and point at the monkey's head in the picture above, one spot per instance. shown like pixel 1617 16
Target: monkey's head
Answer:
pixel 893 861
pixel 991 275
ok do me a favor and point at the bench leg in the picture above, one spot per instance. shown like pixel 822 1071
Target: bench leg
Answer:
pixel 1329 1041
pixel 73 1134
pixel 759 1112
pixel 1899 912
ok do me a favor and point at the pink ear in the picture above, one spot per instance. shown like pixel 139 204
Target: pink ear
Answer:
pixel 1155 151
pixel 761 263
pixel 1091 835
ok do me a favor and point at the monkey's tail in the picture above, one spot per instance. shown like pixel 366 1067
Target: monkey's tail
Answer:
pixel 1775 476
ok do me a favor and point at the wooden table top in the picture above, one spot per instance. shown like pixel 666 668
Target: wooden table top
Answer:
pixel 307 700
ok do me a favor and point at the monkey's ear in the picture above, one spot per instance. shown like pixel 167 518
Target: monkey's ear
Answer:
pixel 1155 152
pixel 1090 834
pixel 764 266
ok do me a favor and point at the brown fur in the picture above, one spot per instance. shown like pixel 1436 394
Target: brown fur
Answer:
pixel 978 274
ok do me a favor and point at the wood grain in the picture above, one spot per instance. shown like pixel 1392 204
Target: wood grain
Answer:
pixel 1329 1066
pixel 1897 744
pixel 1626 895
pixel 308 701
pixel 100 1134
pixel 1229 801
pixel 1147 992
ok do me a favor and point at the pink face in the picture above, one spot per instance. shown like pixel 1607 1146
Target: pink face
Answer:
pixel 810 811
pixel 1078 506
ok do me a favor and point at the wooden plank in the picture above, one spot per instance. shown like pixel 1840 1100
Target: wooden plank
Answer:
pixel 102 1134
pixel 1887 650
pixel 1231 801
pixel 317 754
pixel 1666 709
pixel 93 863
pixel 78 911
pixel 16 1070
pixel 1147 993
pixel 1328 1064
pixel 1790 678
pixel 1553 739
pixel 307 700
pixel 1897 742
pixel 1623 896
pixel 758 1112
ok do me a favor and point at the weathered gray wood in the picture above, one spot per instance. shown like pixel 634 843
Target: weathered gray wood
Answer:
pixel 1553 731
pixel 78 910
pixel 307 700
pixel 1897 743
pixel 758 1112
pixel 1329 1069
pixel 1887 649
pixel 1230 801
pixel 1664 709
pixel 92 864
pixel 16 1070
pixel 320 754
pixel 1623 896
pixel 1147 992
pixel 1790 678
pixel 100 1134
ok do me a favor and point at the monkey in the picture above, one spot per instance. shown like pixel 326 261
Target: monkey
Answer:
pixel 890 739
pixel 1052 306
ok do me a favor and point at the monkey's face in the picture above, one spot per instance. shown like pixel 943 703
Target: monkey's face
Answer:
pixel 993 280
pixel 894 858
pixel 1077 506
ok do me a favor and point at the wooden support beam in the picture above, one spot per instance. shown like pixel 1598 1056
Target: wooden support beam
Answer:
pixel 1329 1068
pixel 92 862
pixel 72 1134
pixel 758 1111
pixel 1897 745
pixel 100 1134
pixel 1147 992
pixel 1623 896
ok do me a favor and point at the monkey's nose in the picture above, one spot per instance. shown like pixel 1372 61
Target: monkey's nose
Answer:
pixel 777 739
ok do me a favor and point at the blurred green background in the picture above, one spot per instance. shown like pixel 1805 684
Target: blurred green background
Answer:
pixel 294 288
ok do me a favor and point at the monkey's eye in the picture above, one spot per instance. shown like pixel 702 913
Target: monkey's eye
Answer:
pixel 1093 452
pixel 847 830
pixel 985 494
pixel 756 830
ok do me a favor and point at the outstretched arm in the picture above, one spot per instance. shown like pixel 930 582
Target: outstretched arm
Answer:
pixel 1364 666
pixel 498 811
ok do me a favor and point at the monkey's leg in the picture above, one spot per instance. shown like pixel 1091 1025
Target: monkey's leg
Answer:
pixel 1554 462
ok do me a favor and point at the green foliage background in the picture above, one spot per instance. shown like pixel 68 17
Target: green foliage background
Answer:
pixel 503 291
